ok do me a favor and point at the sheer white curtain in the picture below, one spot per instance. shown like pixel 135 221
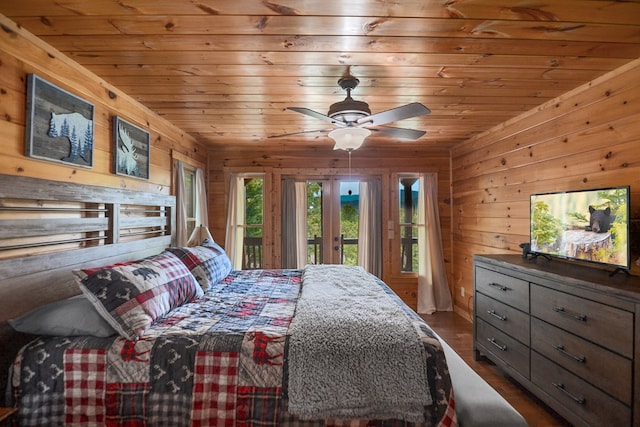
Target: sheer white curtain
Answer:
pixel 235 221
pixel 370 227
pixel 433 287
pixel 201 214
pixel 181 206
pixel 294 223
pixel 201 218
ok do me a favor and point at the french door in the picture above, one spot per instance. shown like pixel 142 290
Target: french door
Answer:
pixel 333 207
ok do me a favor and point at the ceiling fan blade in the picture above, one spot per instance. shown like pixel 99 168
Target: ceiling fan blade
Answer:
pixel 300 133
pixel 316 115
pixel 393 115
pixel 398 132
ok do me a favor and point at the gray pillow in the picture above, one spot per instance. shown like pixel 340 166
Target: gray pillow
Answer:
pixel 69 317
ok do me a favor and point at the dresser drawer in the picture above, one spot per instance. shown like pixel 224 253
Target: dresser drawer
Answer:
pixel 502 346
pixel 506 318
pixel 604 369
pixel 509 290
pixel 576 395
pixel 607 326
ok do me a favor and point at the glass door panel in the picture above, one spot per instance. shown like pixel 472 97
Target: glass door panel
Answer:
pixel 348 224
pixel 314 221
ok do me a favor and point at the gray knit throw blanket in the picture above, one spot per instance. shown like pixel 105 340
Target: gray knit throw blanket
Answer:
pixel 353 353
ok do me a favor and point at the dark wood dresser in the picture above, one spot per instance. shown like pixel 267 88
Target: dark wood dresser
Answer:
pixel 568 332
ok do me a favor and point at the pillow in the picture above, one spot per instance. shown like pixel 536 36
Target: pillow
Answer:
pixel 133 295
pixel 69 317
pixel 208 262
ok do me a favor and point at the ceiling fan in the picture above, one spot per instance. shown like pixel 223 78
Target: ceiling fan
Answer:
pixel 354 122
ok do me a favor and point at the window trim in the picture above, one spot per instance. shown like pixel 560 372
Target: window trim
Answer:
pixel 270 227
pixel 398 225
pixel 191 165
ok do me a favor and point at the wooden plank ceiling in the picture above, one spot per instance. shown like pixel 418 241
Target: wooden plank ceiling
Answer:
pixel 225 71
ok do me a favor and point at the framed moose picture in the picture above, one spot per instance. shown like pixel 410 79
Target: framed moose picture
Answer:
pixel 131 149
pixel 59 124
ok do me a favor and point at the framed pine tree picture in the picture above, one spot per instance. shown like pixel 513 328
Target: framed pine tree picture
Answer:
pixel 59 124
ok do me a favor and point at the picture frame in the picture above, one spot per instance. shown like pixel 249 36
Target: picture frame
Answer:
pixel 131 149
pixel 59 124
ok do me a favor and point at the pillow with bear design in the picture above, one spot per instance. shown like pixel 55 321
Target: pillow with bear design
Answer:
pixel 208 262
pixel 130 296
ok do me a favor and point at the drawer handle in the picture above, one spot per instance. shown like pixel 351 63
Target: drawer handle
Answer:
pixel 493 341
pixel 496 315
pixel 561 310
pixel 560 348
pixel 499 286
pixel 560 386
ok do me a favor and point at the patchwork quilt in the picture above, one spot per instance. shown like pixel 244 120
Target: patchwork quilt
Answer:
pixel 221 360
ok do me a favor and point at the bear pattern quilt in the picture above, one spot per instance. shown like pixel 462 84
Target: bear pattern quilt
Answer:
pixel 217 361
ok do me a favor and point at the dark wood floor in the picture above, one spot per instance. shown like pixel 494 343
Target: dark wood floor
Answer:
pixel 458 333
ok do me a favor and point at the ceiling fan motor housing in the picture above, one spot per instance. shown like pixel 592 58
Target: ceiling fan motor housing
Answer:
pixel 349 110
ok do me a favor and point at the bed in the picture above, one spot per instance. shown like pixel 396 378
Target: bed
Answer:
pixel 173 336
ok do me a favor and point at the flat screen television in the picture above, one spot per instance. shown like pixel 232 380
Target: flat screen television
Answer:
pixel 585 225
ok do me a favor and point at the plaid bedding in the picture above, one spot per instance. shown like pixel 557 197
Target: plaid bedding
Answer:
pixel 217 361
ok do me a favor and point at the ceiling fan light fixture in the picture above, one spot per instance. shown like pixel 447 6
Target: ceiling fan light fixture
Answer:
pixel 349 138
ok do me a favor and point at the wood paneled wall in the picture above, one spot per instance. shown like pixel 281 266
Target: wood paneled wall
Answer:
pixel 321 159
pixel 586 138
pixel 22 53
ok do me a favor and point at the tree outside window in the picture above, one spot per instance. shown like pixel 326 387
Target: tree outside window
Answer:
pixel 254 213
pixel 254 222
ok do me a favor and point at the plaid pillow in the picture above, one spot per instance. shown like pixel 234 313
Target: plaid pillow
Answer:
pixel 132 295
pixel 208 262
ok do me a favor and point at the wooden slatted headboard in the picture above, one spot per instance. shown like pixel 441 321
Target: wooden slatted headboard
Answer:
pixel 49 228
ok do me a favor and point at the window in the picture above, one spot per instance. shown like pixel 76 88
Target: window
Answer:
pixel 246 222
pixel 409 188
pixel 254 223
pixel 254 205
pixel 190 198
